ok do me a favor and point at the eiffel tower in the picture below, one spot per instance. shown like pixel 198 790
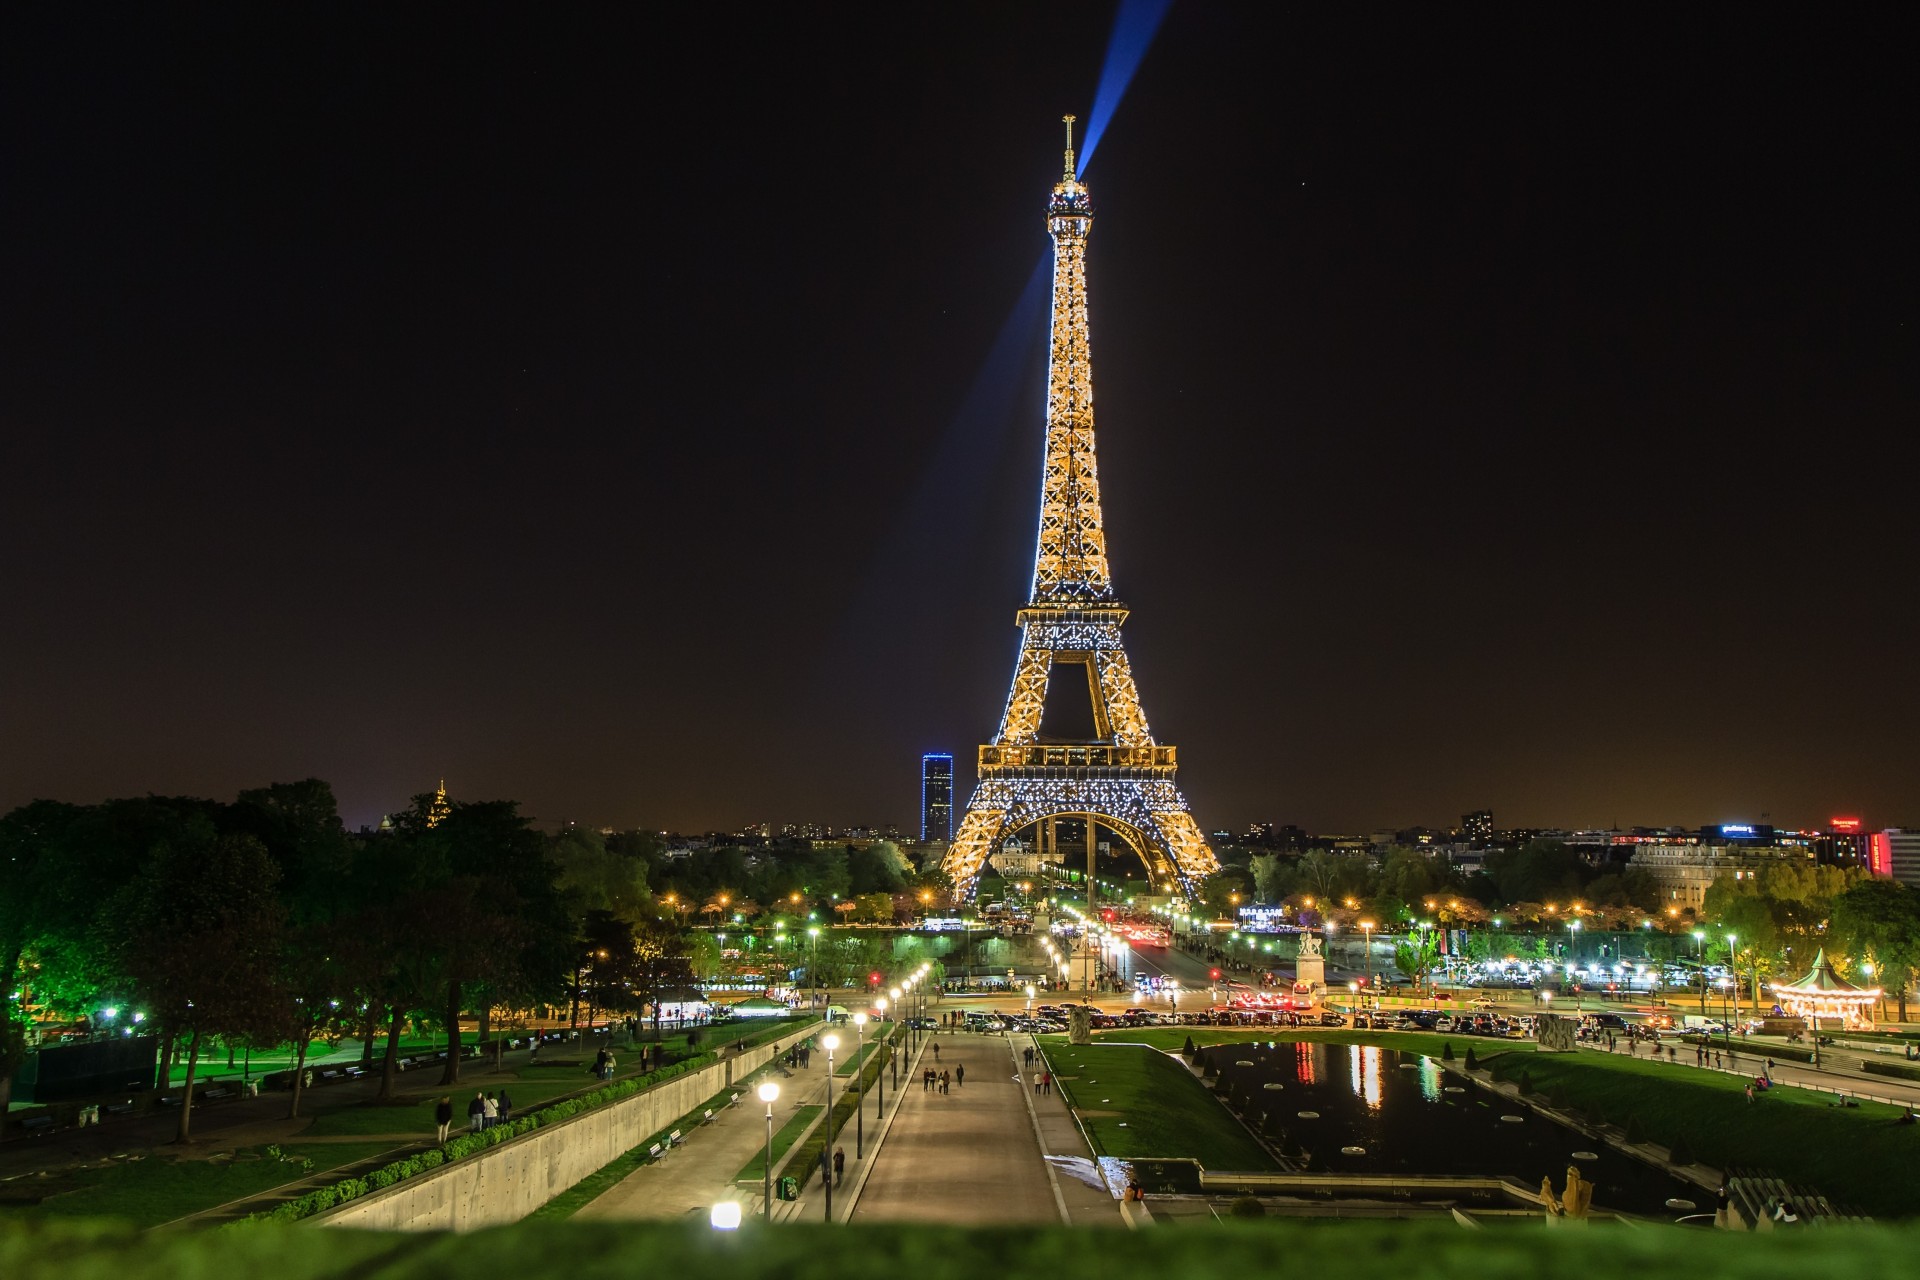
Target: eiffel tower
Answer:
pixel 1119 778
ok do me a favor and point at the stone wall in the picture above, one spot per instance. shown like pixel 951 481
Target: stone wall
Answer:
pixel 507 1182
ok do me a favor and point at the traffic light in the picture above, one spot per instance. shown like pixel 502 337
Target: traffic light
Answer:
pixel 1214 974
pixel 874 978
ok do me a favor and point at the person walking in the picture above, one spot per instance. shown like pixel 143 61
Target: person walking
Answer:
pixel 443 1116
pixel 946 1081
pixel 489 1111
pixel 839 1165
pixel 1046 1082
pixel 960 1074
pixel 936 1052
pixel 476 1112
pixel 1026 1055
pixel 606 1072
pixel 599 1062
pixel 506 1107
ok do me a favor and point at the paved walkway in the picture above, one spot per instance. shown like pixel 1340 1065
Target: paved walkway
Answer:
pixel 701 1171
pixel 976 1155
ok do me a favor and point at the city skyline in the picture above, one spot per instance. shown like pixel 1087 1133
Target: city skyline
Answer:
pixel 1473 433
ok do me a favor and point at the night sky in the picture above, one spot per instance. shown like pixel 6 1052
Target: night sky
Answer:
pixel 1496 407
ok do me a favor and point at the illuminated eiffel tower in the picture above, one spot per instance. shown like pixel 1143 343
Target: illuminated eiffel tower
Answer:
pixel 1119 778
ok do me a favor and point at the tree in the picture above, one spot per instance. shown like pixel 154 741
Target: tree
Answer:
pixel 595 876
pixel 1417 955
pixel 199 933
pixel 1537 871
pixel 1219 890
pixel 1270 877
pixel 1881 919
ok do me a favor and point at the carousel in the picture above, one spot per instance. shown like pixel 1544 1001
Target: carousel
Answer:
pixel 1826 1000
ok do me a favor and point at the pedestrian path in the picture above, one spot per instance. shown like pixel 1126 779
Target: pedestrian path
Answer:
pixel 977 1154
pixel 692 1177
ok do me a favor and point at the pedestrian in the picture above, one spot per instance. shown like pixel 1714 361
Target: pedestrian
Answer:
pixel 606 1072
pixel 1767 1071
pixel 476 1113
pixel 489 1111
pixel 443 1116
pixel 1046 1082
pixel 506 1107
pixel 533 1054
pixel 926 1080
pixel 960 1074
pixel 1026 1055
pixel 946 1081
pixel 839 1165
pixel 936 1053
pixel 599 1063
pixel 1749 1091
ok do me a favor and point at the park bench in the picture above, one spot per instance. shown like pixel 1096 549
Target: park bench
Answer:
pixel 37 1124
pixel 708 1117
pixel 118 1108
pixel 673 1139
pixel 655 1151
pixel 328 1077
pixel 214 1095
pixel 354 1073
pixel 172 1100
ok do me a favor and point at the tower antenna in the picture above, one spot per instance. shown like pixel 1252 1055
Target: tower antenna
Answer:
pixel 1068 120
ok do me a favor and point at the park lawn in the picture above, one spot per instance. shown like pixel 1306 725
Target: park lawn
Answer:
pixel 1430 1044
pixel 1136 1103
pixel 1857 1157
pixel 530 1088
pixel 788 1134
pixel 149 1192
pixel 845 1066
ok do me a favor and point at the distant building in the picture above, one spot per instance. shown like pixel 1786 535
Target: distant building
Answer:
pixel 936 796
pixel 1684 872
pixel 1477 825
pixel 1844 843
pixel 1895 852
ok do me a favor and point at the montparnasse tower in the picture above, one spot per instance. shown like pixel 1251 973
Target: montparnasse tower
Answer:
pixel 1118 778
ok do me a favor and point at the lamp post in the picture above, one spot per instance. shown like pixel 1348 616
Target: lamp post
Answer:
pixel 880 1077
pixel 768 1092
pixel 859 1113
pixel 1366 927
pixel 829 1042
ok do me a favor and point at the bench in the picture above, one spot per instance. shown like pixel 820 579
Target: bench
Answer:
pixel 655 1151
pixel 404 1063
pixel 708 1117
pixel 167 1102
pixel 37 1124
pixel 328 1077
pixel 354 1073
pixel 673 1139
pixel 214 1095
pixel 118 1109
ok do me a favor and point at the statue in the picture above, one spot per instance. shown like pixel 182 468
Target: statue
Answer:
pixel 1080 1024
pixel 1572 1203
pixel 1310 946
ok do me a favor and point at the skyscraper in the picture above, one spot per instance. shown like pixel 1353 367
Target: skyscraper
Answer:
pixel 1477 825
pixel 936 796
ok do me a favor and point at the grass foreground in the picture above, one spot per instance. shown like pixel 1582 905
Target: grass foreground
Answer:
pixel 1224 1251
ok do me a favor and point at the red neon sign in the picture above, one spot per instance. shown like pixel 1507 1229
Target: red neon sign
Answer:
pixel 1844 824
pixel 1879 854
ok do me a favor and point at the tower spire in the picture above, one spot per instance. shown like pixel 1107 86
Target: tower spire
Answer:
pixel 1069 174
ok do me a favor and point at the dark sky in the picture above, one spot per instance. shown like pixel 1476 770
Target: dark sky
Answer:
pixel 1496 407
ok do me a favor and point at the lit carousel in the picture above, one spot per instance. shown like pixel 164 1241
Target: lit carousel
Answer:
pixel 1826 1000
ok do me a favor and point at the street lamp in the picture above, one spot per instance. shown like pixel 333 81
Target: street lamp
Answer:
pixel 880 1077
pixel 1700 963
pixel 1366 927
pixel 768 1092
pixel 829 1042
pixel 1733 963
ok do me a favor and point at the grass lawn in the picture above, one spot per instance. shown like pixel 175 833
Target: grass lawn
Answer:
pixel 844 1066
pixel 788 1134
pixel 1857 1156
pixel 157 1189
pixel 589 1188
pixel 1136 1102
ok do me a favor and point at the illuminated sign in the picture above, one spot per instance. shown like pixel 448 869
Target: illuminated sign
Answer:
pixel 1735 829
pixel 1879 854
pixel 1844 824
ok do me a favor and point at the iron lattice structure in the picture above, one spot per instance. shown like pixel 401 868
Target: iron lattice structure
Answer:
pixel 1121 778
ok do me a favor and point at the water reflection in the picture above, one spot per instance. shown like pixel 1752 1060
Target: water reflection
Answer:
pixel 1431 1077
pixel 1363 1069
pixel 1304 1053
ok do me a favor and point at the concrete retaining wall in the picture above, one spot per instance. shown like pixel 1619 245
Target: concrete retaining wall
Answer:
pixel 506 1183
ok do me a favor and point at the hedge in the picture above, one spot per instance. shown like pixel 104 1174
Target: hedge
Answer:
pixel 804 1162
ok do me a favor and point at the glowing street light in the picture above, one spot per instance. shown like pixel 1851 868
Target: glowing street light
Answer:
pixel 829 1042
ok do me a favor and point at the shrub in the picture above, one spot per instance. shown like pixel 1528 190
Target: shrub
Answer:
pixel 1446 1051
pixel 1524 1081
pixel 1681 1152
pixel 1472 1060
pixel 1247 1207
pixel 1635 1134
pixel 1190 1052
